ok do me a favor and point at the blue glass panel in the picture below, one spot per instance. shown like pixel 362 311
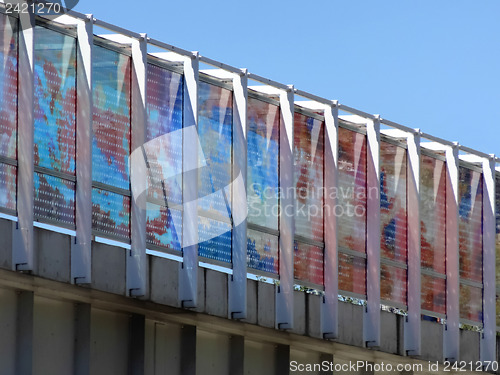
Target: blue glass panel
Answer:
pixel 8 186
pixel 8 86
pixel 163 227
pixel 308 163
pixel 262 251
pixel 214 239
pixel 55 100
pixel 110 213
pixel 164 134
pixel 111 117
pixel 263 159
pixel 54 199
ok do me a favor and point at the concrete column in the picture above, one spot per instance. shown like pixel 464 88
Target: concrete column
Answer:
pixel 81 253
pixel 82 339
pixel 237 355
pixel 188 350
pixel 371 321
pixel 329 307
pixel 137 337
pixel 282 363
pixel 22 241
pixel 284 293
pixel 24 341
pixel 451 346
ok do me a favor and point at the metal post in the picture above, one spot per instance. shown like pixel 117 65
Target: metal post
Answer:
pixel 412 339
pixel 371 321
pixel 237 288
pixel 22 244
pixel 451 346
pixel 188 273
pixel 81 253
pixel 329 307
pixel 136 259
pixel 284 293
pixel 488 337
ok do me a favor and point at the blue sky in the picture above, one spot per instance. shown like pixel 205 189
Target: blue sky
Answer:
pixel 433 65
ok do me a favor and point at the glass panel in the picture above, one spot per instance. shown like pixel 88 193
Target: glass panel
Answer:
pixel 393 284
pixel 393 202
pixel 262 251
pixel 111 117
pixel 471 299
pixel 110 213
pixel 54 199
pixel 214 239
pixel 163 227
pixel 433 294
pixel 308 263
pixel 497 215
pixel 263 159
pixel 214 179
pixel 352 274
pixel 55 100
pixel 164 134
pixel 432 212
pixel 470 189
pixel 352 190
pixel 8 86
pixel 308 163
pixel 8 186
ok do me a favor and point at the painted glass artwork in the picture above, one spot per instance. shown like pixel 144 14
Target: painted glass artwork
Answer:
pixel 263 159
pixel 432 212
pixel 471 303
pixel 393 284
pixel 55 100
pixel 8 88
pixel 352 194
pixel 470 195
pixel 433 292
pixel 163 227
pixel 352 274
pixel 308 263
pixel 163 150
pixel 262 251
pixel 8 187
pixel 54 199
pixel 110 213
pixel 164 134
pixel 215 111
pixel 111 117
pixel 308 165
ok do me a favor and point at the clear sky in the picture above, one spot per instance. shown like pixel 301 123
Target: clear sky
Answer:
pixel 426 64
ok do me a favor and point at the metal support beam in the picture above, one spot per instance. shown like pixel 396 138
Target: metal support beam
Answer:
pixel 329 307
pixel 237 288
pixel 371 321
pixel 451 345
pixel 412 336
pixel 488 337
pixel 136 259
pixel 284 292
pixel 22 244
pixel 81 253
pixel 188 272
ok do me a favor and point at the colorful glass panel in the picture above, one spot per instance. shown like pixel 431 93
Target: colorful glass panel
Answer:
pixel 351 193
pixel 352 274
pixel 262 251
pixel 8 87
pixel 433 294
pixel 308 263
pixel 432 212
pixel 54 199
pixel 263 160
pixel 214 239
pixel 55 100
pixel 163 227
pixel 110 213
pixel 470 190
pixel 8 187
pixel 111 117
pixel 393 284
pixel 471 303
